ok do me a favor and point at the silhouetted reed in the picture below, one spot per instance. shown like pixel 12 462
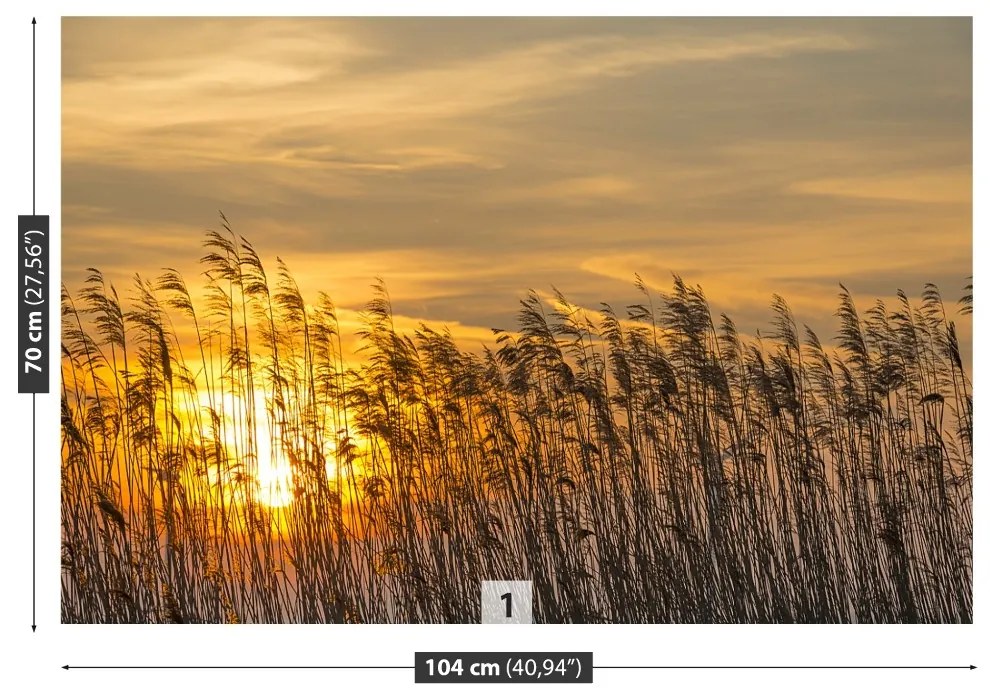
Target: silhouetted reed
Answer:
pixel 653 466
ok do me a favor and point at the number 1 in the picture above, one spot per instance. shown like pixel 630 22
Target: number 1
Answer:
pixel 508 604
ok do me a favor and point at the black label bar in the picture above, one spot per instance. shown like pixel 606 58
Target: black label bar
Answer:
pixel 503 667
pixel 32 304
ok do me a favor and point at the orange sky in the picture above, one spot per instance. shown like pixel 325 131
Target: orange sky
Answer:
pixel 466 161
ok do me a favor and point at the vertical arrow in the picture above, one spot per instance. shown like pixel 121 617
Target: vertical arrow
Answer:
pixel 34 519
pixel 34 26
pixel 34 324
pixel 34 454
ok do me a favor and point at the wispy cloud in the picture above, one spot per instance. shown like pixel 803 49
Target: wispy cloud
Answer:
pixel 300 72
pixel 942 186
pixel 468 161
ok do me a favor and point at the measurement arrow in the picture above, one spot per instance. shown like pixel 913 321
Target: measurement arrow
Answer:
pixel 33 324
pixel 34 457
pixel 34 519
pixel 784 668
pixel 664 668
pixel 235 668
pixel 34 111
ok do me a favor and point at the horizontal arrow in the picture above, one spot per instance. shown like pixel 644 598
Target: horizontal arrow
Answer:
pixel 234 668
pixel 702 668
pixel 802 668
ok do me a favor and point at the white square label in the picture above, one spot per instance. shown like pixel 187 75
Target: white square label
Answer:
pixel 506 602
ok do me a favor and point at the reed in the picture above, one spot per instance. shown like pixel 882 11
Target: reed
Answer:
pixel 646 466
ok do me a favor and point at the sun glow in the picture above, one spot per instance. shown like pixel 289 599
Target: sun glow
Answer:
pixel 266 468
pixel 274 485
pixel 264 473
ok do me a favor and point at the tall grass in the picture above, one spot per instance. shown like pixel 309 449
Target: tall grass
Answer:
pixel 647 466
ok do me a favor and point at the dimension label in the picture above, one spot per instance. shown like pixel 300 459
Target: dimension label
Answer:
pixel 33 287
pixel 504 667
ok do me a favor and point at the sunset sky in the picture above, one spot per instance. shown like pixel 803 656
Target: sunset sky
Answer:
pixel 468 160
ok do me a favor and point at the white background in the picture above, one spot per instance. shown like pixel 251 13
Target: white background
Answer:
pixel 32 662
